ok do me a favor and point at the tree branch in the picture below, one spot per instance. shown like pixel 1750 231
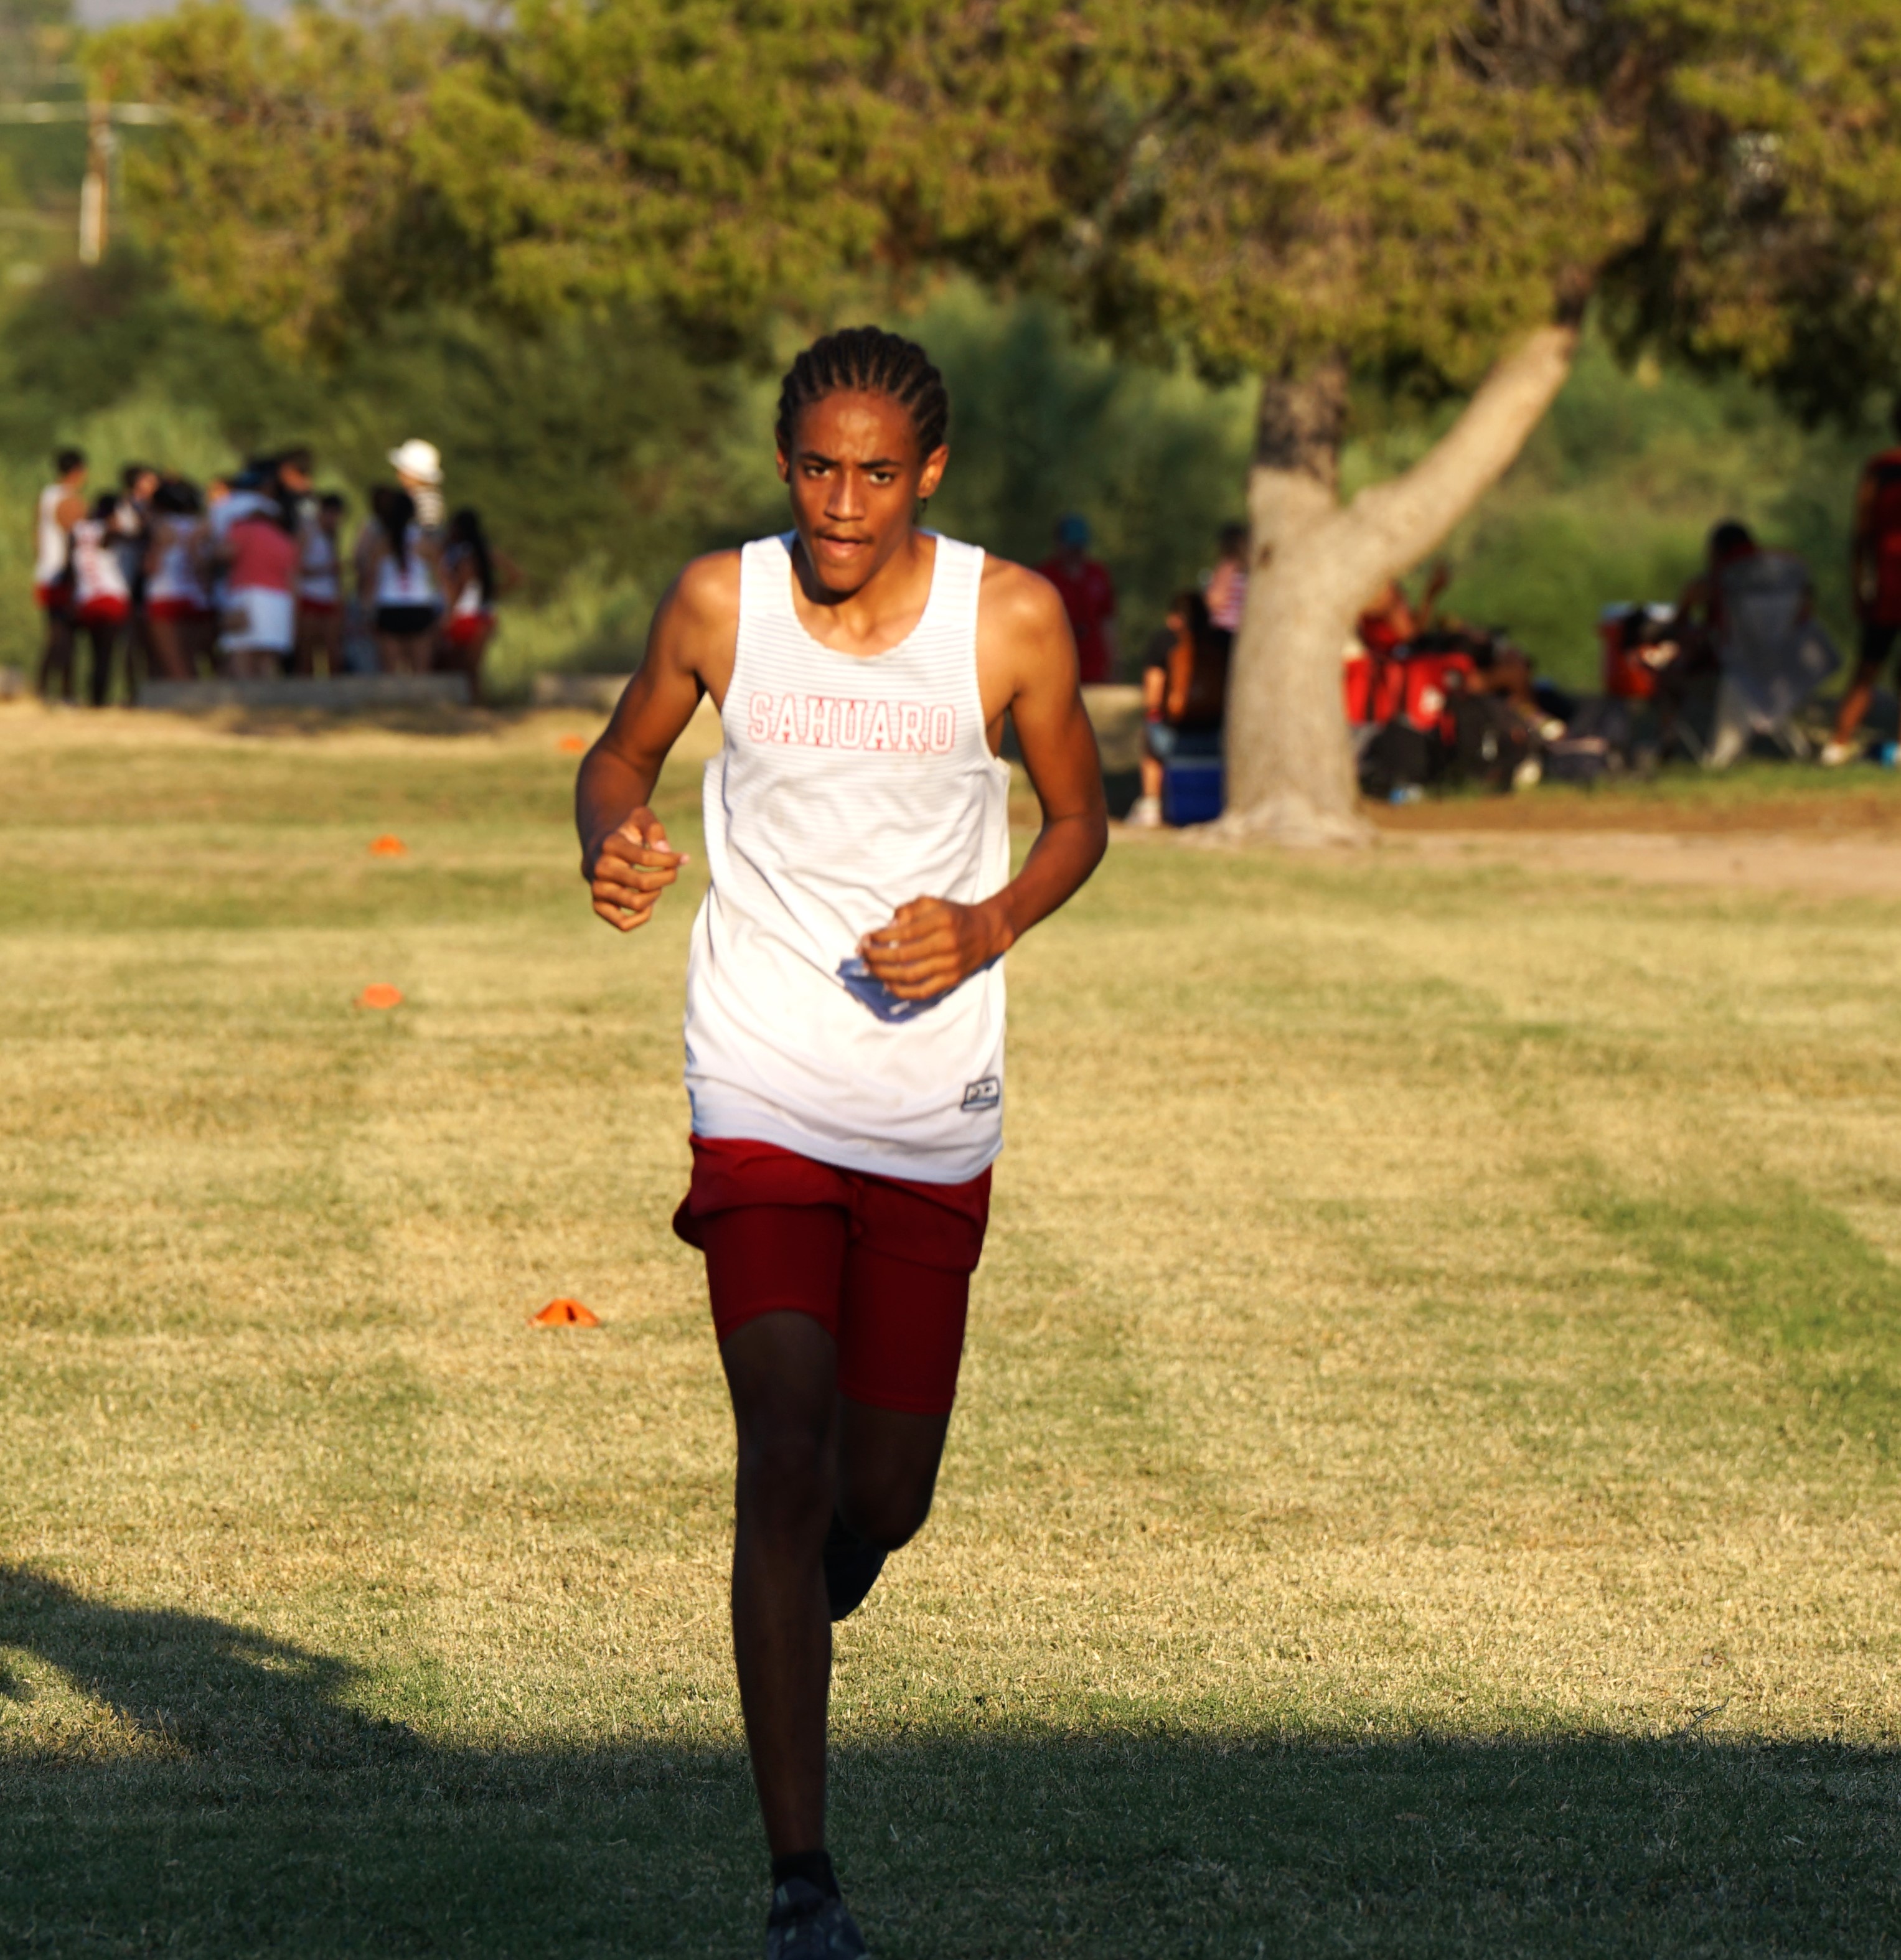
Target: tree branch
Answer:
pixel 1400 521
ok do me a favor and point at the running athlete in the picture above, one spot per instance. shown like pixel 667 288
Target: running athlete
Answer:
pixel 1875 563
pixel 843 1003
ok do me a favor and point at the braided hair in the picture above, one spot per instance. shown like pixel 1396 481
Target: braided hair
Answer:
pixel 866 360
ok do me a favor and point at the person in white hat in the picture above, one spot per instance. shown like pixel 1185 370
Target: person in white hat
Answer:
pixel 418 469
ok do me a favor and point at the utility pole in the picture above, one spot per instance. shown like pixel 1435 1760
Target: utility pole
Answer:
pixel 93 188
pixel 102 141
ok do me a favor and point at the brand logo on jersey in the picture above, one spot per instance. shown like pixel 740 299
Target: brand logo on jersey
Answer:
pixel 984 1095
pixel 835 722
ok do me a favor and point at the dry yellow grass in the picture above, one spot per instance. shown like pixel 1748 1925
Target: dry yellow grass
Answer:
pixel 1423 1479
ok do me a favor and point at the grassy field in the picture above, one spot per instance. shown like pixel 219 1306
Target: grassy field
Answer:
pixel 1424 1484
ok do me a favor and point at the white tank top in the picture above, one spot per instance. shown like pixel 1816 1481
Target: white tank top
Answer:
pixel 96 573
pixel 317 571
pixel 848 787
pixel 176 575
pixel 410 583
pixel 49 536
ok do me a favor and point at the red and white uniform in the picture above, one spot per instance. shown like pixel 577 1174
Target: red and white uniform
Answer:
pixel 174 591
pixel 260 586
pixel 99 592
pixel 51 544
pixel 319 579
pixel 846 788
pixel 471 617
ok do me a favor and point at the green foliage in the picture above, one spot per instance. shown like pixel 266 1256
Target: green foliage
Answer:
pixel 602 456
pixel 1043 423
pixel 1616 492
pixel 597 443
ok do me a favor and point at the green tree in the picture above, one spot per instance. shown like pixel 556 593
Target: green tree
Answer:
pixel 1415 196
pixel 1424 195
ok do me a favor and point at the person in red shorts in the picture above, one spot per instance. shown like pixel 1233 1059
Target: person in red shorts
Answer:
pixel 1088 598
pixel 844 1003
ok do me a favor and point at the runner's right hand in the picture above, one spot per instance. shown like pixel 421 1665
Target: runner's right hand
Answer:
pixel 630 868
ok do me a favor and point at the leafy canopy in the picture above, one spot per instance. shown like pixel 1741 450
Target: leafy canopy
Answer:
pixel 1259 184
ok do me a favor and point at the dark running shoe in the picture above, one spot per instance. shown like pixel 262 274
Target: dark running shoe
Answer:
pixel 851 1568
pixel 804 1924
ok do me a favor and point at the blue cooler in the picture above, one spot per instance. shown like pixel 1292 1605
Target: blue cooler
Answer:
pixel 1192 789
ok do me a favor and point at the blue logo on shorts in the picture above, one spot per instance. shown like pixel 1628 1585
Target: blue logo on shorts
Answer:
pixel 984 1095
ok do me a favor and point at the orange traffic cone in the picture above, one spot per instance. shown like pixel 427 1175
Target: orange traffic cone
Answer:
pixel 572 745
pixel 381 994
pixel 387 846
pixel 565 1313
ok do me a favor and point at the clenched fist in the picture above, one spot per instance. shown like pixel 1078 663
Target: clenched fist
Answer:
pixel 932 944
pixel 628 870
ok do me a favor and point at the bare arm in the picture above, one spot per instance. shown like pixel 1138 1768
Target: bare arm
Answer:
pixel 1026 648
pixel 625 856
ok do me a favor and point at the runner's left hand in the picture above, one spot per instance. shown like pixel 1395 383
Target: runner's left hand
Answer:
pixel 932 944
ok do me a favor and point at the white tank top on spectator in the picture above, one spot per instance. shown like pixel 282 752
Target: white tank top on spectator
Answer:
pixel 50 536
pixel 410 583
pixel 469 603
pixel 848 787
pixel 96 573
pixel 175 577
pixel 318 576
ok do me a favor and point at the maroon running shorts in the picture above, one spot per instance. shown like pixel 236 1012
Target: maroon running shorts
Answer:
pixel 882 1263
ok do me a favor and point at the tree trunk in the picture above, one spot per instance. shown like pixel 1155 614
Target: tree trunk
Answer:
pixel 1316 564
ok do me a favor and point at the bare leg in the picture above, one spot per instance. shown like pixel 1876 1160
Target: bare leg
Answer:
pixel 170 653
pixel 1855 703
pixel 464 657
pixel 804 1452
pixel 103 639
pixel 887 1471
pixel 303 655
pixel 57 660
pixel 782 1370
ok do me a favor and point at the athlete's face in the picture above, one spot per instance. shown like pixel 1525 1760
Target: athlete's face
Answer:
pixel 855 475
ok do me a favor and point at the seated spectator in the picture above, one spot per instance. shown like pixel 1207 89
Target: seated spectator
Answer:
pixel 1184 700
pixel 1697 627
pixel 1393 620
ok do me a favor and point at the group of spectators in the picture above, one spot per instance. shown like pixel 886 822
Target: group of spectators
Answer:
pixel 247 577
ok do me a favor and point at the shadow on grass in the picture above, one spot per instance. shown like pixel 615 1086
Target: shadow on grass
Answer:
pixel 259 1812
